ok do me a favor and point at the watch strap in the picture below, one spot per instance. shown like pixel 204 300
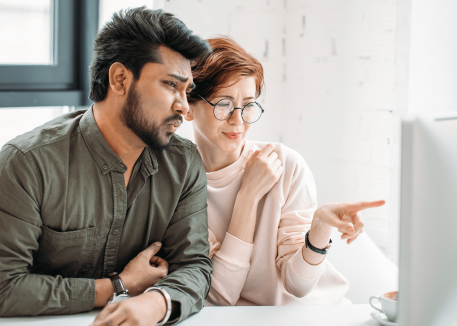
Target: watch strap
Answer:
pixel 117 284
pixel 322 251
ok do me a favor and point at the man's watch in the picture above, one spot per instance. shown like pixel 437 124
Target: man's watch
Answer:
pixel 120 292
pixel 322 251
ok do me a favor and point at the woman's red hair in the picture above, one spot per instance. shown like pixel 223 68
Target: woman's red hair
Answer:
pixel 225 66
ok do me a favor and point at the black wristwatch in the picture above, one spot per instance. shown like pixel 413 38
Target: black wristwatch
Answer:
pixel 319 251
pixel 120 292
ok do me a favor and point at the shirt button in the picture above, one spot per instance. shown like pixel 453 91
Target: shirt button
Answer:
pixel 114 232
pixel 105 166
pixel 122 165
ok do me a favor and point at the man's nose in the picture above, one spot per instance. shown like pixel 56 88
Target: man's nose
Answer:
pixel 181 106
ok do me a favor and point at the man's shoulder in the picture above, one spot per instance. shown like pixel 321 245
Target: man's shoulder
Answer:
pixel 182 146
pixel 181 142
pixel 181 157
pixel 58 129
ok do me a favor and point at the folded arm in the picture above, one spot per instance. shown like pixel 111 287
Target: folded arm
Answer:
pixel 186 248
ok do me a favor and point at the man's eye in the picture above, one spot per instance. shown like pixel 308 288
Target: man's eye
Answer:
pixel 172 84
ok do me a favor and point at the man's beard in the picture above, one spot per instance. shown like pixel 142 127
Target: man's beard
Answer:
pixel 135 119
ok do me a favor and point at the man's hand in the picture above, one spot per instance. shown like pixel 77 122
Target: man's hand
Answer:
pixel 144 310
pixel 144 270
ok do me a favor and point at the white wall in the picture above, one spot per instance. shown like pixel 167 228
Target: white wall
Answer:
pixel 341 117
pixel 433 56
pixel 330 88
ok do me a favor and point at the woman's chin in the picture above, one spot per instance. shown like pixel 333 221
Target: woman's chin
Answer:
pixel 229 146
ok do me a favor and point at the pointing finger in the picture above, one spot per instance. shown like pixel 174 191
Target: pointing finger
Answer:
pixel 358 206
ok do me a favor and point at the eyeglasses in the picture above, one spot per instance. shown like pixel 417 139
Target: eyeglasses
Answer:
pixel 224 109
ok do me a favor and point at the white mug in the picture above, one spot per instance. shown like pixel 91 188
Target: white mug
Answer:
pixel 389 304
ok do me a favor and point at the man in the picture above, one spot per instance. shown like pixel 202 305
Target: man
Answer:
pixel 84 194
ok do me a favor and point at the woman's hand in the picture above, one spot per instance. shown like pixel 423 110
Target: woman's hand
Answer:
pixel 261 173
pixel 344 216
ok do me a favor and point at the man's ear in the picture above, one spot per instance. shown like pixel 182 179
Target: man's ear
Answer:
pixel 188 115
pixel 119 77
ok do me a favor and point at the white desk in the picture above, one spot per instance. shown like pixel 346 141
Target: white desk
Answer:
pixel 350 315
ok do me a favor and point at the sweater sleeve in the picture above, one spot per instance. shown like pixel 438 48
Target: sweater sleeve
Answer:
pixel 231 265
pixel 298 277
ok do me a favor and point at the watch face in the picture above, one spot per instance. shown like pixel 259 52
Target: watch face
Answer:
pixel 119 297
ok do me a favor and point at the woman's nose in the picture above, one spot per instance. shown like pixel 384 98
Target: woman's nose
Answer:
pixel 235 118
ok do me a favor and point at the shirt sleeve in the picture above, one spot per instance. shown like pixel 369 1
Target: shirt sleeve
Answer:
pixel 231 267
pixel 298 277
pixel 186 247
pixel 23 293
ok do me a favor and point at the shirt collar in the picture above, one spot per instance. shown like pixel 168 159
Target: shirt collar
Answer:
pixel 102 153
pixel 150 165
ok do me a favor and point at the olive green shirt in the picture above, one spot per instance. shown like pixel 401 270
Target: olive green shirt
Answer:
pixel 66 218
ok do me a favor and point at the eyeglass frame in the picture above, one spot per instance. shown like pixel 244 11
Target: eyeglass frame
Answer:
pixel 234 108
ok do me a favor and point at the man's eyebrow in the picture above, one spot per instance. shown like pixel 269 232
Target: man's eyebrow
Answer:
pixel 232 98
pixel 184 80
pixel 179 77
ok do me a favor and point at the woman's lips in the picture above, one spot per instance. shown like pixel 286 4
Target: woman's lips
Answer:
pixel 232 135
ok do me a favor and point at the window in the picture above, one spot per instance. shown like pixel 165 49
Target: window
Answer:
pixel 49 48
pixel 27 27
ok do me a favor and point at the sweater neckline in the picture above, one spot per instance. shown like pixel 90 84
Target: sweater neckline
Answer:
pixel 235 167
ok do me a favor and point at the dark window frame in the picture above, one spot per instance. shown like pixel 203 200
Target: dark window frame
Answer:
pixel 66 83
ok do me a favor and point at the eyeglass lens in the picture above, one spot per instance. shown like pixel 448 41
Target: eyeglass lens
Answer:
pixel 223 110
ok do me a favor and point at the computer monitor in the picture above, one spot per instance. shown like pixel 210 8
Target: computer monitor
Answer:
pixel 428 222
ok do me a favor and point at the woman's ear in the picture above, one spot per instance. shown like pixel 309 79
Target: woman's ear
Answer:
pixel 188 115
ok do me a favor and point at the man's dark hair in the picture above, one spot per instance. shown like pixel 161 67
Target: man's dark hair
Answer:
pixel 133 38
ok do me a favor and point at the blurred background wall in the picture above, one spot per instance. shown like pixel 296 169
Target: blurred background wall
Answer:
pixel 339 77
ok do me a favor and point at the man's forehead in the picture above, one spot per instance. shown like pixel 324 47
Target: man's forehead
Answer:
pixel 174 62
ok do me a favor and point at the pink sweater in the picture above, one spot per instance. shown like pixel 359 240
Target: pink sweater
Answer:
pixel 271 271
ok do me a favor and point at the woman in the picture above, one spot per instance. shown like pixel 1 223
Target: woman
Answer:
pixel 261 197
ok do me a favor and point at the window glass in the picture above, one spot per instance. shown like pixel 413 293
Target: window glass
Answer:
pixel 26 32
pixel 16 121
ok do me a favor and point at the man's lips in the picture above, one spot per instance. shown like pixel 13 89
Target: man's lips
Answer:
pixel 175 123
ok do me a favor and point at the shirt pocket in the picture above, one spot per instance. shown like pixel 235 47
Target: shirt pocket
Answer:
pixel 68 254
